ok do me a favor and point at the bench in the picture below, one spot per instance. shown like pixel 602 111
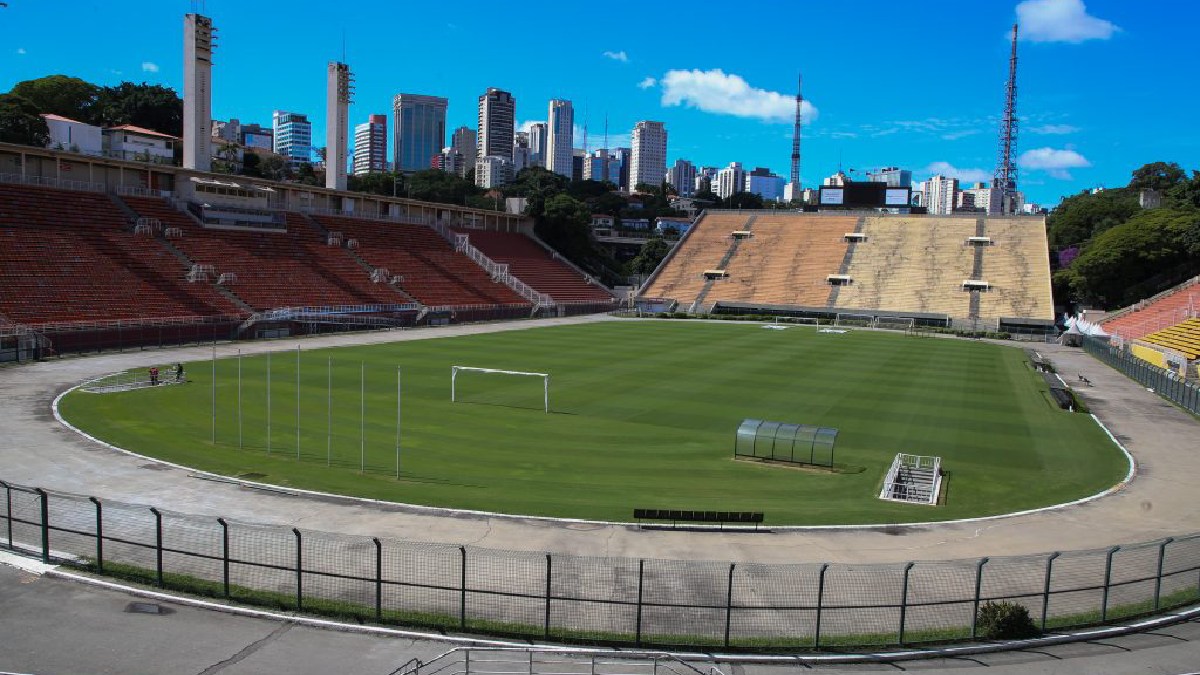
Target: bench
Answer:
pixel 704 517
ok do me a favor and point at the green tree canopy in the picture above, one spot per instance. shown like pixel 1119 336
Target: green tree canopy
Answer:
pixel 1080 217
pixel 650 255
pixel 1160 176
pixel 62 95
pixel 151 106
pixel 387 184
pixel 434 185
pixel 21 123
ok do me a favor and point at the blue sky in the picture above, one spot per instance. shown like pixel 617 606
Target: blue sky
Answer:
pixel 1104 85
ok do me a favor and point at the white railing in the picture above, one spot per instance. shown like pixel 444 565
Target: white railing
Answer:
pixel 498 272
pixel 45 181
pixel 903 466
pixel 534 661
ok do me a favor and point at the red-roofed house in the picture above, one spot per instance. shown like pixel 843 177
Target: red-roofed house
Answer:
pixel 140 145
pixel 74 136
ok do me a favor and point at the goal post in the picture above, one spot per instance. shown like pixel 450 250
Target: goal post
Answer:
pixel 904 323
pixel 794 321
pixel 858 320
pixel 454 371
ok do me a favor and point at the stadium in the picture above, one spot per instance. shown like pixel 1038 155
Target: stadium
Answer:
pixel 805 431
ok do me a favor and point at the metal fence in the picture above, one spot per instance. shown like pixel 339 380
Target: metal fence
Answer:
pixel 621 601
pixel 1164 382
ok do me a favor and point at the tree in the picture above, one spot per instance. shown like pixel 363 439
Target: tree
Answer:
pixel 252 164
pixel 744 200
pixel 650 255
pixel 387 184
pixel 1187 192
pixel 150 106
pixel 434 185
pixel 68 97
pixel 274 167
pixel 1081 217
pixel 305 174
pixel 1159 176
pixel 21 123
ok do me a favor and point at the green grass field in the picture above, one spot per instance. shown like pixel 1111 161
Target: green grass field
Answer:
pixel 644 415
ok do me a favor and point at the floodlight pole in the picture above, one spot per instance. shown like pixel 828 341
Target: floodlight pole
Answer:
pixel 239 399
pixel 398 420
pixel 329 411
pixel 297 403
pixel 214 394
pixel 268 403
pixel 362 416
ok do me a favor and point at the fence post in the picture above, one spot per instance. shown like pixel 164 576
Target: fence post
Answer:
pixel 158 546
pixel 299 570
pixel 978 587
pixel 1162 552
pixel 904 601
pixel 224 555
pixel 1107 580
pixel 8 511
pixel 820 600
pixel 729 603
pixel 378 579
pixel 99 535
pixel 546 631
pixel 1046 588
pixel 45 509
pixel 637 638
pixel 462 580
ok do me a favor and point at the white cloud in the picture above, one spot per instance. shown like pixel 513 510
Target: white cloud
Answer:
pixel 647 83
pixel 1053 161
pixel 149 67
pixel 1061 21
pixel 962 133
pixel 618 56
pixel 714 91
pixel 963 175
pixel 21 51
pixel 1053 129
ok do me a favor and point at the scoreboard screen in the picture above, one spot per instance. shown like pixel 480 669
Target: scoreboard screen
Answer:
pixel 864 195
pixel 832 196
pixel 897 197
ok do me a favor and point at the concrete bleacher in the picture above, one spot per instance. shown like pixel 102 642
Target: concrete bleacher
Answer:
pixel 534 265
pixel 1017 267
pixel 1183 338
pixel 786 261
pixel 427 266
pixel 682 277
pixel 68 256
pixel 911 265
pixel 272 268
pixel 1155 313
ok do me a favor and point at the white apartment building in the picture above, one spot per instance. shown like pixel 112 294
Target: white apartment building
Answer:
pixel 492 171
pixel 370 146
pixel 537 144
pixel 648 161
pixel 939 194
pixel 730 180
pixel 560 138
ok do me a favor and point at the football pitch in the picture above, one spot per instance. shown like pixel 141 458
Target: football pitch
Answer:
pixel 643 415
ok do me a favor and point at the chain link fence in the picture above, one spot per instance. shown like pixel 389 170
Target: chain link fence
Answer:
pixel 618 601
pixel 1164 382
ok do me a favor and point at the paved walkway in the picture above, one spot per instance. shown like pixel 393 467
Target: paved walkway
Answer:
pixel 36 450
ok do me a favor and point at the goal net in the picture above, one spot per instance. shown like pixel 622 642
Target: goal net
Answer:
pixel 782 322
pixel 860 320
pixel 486 385
pixel 903 323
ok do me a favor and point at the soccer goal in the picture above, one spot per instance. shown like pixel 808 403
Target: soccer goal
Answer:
pixel 903 323
pixel 860 320
pixel 782 322
pixel 455 370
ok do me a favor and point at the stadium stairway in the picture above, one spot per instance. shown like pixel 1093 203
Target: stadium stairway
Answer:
pixel 535 266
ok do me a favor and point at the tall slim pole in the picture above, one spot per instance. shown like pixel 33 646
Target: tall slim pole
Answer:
pixel 398 397
pixel 362 416
pixel 239 399
pixel 268 403
pixel 329 411
pixel 297 403
pixel 214 394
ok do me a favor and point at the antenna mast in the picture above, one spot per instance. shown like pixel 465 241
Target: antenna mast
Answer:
pixel 1006 168
pixel 796 133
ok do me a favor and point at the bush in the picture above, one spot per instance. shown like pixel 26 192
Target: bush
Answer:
pixel 1004 621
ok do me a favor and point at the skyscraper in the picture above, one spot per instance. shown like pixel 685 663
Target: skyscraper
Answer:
pixel 520 151
pixel 560 141
pixel 682 176
pixel 293 137
pixel 497 114
pixel 537 144
pixel 648 163
pixel 623 156
pixel 939 194
pixel 730 180
pixel 370 145
pixel 420 131
pixel 464 142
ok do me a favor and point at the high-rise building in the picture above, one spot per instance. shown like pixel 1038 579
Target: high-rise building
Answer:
pixel 292 137
pixel 497 114
pixel 765 184
pixel 624 157
pixel 706 178
pixel 537 144
pixel 520 151
pixel 337 123
pixel 682 176
pixel 894 176
pixel 420 130
pixel 492 171
pixel 370 146
pixel 648 163
pixel 601 166
pixel 561 138
pixel 940 194
pixel 730 180
pixel 197 91
pixel 449 160
pixel 464 142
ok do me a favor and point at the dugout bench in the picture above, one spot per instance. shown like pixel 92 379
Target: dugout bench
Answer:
pixel 720 518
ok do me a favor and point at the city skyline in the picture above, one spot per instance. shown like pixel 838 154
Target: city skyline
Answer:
pixel 1082 76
